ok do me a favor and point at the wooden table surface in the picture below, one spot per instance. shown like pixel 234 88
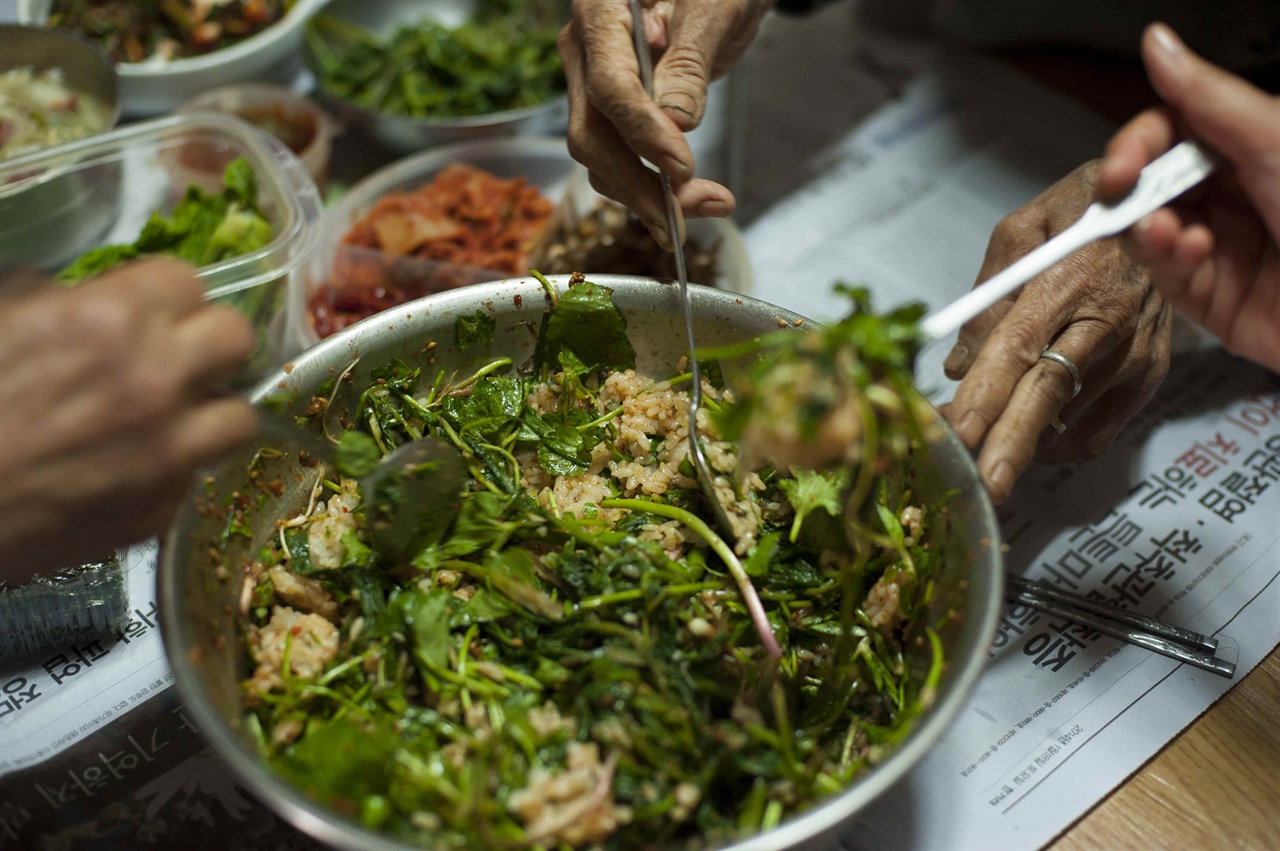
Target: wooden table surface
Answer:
pixel 1215 786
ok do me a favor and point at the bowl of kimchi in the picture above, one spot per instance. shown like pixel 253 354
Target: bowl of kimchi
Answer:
pixel 480 211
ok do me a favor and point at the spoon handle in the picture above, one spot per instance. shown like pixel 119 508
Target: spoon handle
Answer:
pixel 1165 178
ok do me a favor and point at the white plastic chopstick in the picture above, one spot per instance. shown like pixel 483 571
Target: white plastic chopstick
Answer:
pixel 1165 178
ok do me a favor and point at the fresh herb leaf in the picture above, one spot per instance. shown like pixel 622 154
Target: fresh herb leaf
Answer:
pixel 757 563
pixel 586 321
pixel 812 490
pixel 357 454
pixel 475 329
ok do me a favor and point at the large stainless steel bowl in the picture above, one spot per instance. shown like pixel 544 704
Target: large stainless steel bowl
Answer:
pixel 199 601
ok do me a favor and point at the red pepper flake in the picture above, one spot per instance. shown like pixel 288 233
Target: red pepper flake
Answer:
pixel 519 300
pixel 306 460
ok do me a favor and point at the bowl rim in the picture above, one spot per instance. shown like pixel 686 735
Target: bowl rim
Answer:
pixel 109 67
pixel 982 612
pixel 36 13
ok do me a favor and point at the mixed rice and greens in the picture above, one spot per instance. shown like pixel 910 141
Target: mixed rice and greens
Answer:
pixel 568 662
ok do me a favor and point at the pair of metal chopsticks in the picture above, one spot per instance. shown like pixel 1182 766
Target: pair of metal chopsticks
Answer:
pixel 1165 639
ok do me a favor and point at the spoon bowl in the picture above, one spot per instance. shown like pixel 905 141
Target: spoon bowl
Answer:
pixel 412 492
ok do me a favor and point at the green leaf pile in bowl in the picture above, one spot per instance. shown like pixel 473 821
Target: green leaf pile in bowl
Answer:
pixel 503 58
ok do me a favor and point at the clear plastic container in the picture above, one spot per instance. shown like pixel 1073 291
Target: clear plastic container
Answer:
pixel 58 203
pixel 544 162
pixel 72 605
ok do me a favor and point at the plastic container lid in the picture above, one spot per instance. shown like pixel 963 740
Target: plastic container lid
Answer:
pixel 101 190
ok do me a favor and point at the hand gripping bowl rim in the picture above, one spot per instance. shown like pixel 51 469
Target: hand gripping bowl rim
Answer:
pixel 967 656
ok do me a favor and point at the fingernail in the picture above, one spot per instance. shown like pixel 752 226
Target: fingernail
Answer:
pixel 1000 481
pixel 1169 45
pixel 955 360
pixel 712 209
pixel 1143 225
pixel 1166 39
pixel 971 429
pixel 675 167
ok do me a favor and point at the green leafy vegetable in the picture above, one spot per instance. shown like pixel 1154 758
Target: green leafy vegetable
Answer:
pixel 579 624
pixel 503 58
pixel 203 229
pixel 357 454
pixel 587 322
pixel 811 490
pixel 475 329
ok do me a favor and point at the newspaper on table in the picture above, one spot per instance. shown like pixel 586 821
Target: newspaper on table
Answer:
pixel 1177 520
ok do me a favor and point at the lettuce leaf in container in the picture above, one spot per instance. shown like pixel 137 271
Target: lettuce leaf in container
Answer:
pixel 204 229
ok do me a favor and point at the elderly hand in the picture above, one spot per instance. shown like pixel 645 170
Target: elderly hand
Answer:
pixel 613 123
pixel 106 412
pixel 1096 308
pixel 1214 253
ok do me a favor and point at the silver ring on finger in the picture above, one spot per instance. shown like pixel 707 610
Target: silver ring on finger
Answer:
pixel 1071 368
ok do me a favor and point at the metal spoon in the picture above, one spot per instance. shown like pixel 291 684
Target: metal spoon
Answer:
pixel 411 496
pixel 705 475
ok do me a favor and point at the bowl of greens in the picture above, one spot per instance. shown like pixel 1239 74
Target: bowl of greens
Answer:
pixel 565 652
pixel 412 76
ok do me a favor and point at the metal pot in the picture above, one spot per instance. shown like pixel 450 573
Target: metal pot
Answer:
pixel 198 599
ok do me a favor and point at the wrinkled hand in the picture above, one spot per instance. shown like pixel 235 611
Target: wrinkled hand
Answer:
pixel 1214 253
pixel 613 122
pixel 1096 307
pixel 105 410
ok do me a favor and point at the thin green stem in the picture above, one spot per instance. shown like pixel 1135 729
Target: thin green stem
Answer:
pixel 749 596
